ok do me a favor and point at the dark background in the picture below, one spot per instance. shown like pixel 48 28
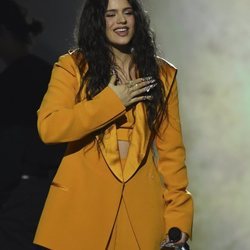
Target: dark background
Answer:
pixel 58 17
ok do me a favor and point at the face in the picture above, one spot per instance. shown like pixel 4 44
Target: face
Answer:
pixel 120 22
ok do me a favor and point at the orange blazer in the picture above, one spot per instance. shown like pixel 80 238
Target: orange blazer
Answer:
pixel 84 197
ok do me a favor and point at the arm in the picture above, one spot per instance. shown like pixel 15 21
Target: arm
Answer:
pixel 60 119
pixel 171 165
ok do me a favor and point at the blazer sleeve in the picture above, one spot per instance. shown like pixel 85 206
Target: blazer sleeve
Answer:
pixel 61 119
pixel 171 164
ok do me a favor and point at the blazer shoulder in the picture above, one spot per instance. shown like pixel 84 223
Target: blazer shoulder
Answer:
pixel 168 70
pixel 66 61
pixel 79 59
pixel 77 55
pixel 165 64
pixel 70 61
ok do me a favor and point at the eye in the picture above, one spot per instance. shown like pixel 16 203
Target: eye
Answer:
pixel 129 12
pixel 110 14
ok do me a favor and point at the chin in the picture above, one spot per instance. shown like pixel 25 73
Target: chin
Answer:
pixel 121 42
pixel 125 47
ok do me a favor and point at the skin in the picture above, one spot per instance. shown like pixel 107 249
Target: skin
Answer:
pixel 120 23
pixel 120 28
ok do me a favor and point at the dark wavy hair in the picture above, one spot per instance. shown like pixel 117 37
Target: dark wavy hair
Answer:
pixel 92 43
pixel 14 18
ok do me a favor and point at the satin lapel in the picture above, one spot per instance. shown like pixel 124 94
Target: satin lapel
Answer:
pixel 110 152
pixel 138 144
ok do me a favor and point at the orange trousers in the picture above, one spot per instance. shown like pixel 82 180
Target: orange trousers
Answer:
pixel 123 236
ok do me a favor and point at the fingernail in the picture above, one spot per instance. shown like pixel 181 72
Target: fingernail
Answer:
pixel 148 78
pixel 152 85
pixel 152 81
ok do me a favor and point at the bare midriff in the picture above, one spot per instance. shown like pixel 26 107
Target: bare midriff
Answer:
pixel 123 149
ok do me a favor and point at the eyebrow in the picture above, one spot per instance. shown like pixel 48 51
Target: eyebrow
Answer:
pixel 127 8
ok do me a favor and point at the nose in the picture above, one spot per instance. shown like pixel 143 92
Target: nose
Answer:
pixel 121 18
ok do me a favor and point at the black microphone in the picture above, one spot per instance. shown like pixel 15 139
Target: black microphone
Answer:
pixel 174 235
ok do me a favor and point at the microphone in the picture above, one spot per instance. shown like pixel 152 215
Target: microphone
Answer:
pixel 174 235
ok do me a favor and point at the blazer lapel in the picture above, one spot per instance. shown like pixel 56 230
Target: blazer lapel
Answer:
pixel 110 152
pixel 137 149
pixel 138 144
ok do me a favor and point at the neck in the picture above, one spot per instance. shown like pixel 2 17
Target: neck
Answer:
pixel 124 65
pixel 122 56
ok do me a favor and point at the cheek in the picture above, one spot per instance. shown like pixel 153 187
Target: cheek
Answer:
pixel 109 24
pixel 108 28
pixel 132 22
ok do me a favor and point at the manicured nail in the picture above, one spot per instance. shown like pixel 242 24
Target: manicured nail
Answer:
pixel 152 85
pixel 152 81
pixel 148 78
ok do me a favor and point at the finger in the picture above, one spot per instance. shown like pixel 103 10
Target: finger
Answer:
pixel 130 84
pixel 143 79
pixel 144 84
pixel 138 81
pixel 184 236
pixel 141 98
pixel 143 90
pixel 183 239
pixel 112 80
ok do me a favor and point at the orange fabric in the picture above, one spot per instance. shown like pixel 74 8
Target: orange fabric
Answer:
pixel 124 130
pixel 123 236
pixel 123 134
pixel 84 198
pixel 130 120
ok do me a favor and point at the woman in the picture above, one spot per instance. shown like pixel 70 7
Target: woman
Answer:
pixel 122 182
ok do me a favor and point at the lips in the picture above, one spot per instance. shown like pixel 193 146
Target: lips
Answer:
pixel 121 31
